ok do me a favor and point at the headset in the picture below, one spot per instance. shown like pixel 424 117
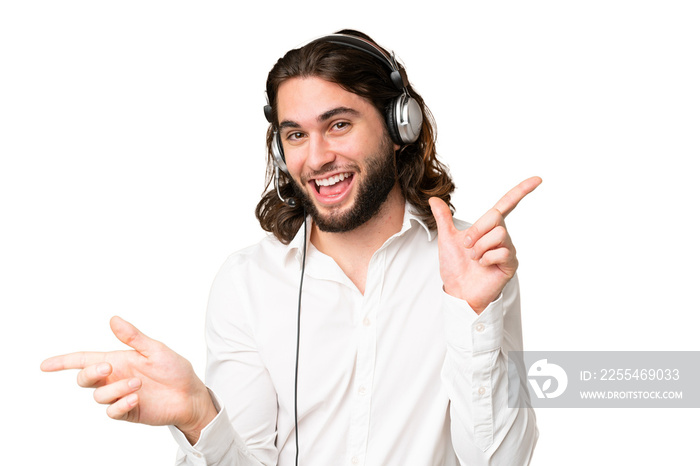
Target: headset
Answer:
pixel 404 117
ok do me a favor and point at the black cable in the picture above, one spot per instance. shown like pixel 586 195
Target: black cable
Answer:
pixel 296 364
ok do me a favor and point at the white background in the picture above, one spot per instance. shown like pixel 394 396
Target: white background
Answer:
pixel 131 137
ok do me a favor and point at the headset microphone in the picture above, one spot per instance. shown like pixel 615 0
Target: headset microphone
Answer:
pixel 289 201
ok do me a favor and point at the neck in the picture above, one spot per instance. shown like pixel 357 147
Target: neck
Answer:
pixel 352 250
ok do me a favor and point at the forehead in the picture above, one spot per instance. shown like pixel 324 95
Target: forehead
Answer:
pixel 302 100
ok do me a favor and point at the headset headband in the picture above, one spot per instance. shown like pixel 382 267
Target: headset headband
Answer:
pixel 398 76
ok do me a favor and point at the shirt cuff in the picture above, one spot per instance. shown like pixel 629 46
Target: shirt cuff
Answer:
pixel 469 331
pixel 215 440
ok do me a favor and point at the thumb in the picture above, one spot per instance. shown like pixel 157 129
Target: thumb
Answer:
pixel 130 335
pixel 443 216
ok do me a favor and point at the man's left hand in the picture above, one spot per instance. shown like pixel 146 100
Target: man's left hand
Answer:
pixel 476 264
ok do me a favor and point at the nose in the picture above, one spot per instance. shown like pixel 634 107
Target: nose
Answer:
pixel 320 152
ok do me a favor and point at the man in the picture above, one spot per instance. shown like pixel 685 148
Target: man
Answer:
pixel 356 336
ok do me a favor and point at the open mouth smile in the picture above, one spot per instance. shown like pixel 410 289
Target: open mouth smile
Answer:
pixel 332 189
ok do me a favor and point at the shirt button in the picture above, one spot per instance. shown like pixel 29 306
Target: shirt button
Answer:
pixel 355 460
pixel 362 390
pixel 366 322
pixel 482 390
pixel 480 327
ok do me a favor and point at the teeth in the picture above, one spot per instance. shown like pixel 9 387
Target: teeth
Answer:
pixel 330 181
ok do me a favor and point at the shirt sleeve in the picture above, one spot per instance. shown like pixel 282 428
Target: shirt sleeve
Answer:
pixel 218 444
pixel 485 430
pixel 244 431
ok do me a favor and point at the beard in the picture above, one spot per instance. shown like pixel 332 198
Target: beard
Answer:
pixel 378 181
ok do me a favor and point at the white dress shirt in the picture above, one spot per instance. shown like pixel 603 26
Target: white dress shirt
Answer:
pixel 402 375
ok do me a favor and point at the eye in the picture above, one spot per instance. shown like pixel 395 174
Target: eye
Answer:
pixel 294 136
pixel 341 126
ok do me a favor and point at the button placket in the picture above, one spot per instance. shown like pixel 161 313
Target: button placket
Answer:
pixel 366 360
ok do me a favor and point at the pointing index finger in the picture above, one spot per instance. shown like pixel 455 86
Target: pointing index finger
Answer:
pixel 78 360
pixel 508 202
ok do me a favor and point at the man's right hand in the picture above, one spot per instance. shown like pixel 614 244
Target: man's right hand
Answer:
pixel 150 384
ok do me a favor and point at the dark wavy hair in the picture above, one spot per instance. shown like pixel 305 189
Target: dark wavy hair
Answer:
pixel 420 174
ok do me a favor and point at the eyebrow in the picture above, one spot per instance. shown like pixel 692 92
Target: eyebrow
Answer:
pixel 322 117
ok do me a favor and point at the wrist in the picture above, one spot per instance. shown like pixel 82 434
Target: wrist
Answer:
pixel 203 412
pixel 457 292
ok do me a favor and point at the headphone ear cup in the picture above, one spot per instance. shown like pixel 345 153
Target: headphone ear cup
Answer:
pixel 409 119
pixel 278 153
pixel 404 120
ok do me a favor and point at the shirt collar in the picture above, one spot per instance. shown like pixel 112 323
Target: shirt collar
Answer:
pixel 296 245
pixel 410 220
